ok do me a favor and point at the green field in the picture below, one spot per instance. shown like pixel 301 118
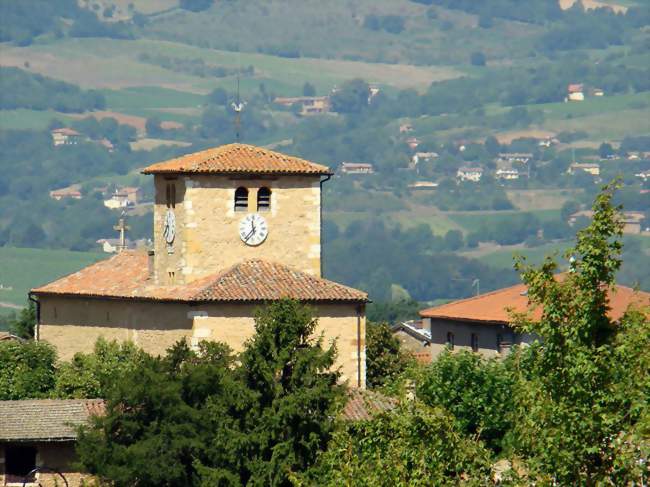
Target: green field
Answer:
pixel 22 269
pixel 113 64
pixel 24 119
pixel 439 223
pixel 504 259
pixel 472 220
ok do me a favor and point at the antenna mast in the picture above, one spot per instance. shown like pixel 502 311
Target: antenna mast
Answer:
pixel 238 105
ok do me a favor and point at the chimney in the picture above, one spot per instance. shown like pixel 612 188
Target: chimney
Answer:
pixel 150 259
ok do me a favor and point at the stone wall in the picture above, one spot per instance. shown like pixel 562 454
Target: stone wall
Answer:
pixel 207 225
pixel 59 456
pixel 73 325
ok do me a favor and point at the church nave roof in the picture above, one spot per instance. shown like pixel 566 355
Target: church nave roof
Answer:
pixel 126 276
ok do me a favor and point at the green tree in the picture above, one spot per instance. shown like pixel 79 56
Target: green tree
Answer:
pixel 295 391
pixel 351 97
pixel 93 374
pixel 202 418
pixel 385 361
pixel 27 369
pixel 580 399
pixel 23 325
pixel 413 445
pixel 308 89
pixel 477 392
pixel 153 127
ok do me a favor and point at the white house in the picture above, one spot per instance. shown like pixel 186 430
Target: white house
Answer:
pixel 356 168
pixel 65 136
pixel 507 174
pixel 473 174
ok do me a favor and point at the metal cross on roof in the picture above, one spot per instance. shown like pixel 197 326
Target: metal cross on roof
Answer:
pixel 122 227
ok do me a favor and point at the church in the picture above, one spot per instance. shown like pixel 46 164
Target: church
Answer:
pixel 235 227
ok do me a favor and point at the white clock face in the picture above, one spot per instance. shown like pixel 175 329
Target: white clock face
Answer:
pixel 169 227
pixel 253 229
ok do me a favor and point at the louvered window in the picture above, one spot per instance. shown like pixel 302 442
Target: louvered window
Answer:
pixel 241 199
pixel 264 199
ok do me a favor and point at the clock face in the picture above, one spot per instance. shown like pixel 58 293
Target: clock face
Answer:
pixel 253 229
pixel 169 227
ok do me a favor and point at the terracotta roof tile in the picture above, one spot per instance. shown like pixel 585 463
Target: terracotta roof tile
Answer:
pixel 362 405
pixel 492 307
pixel 126 276
pixel 237 158
pixel 45 419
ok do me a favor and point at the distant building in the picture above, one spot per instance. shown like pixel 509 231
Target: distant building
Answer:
pixel 576 92
pixel 405 128
pixel 356 168
pixel 423 157
pixel 69 192
pixel 374 91
pixel 645 175
pixel 473 174
pixel 124 197
pixel 309 105
pixel 106 144
pixel 413 142
pixel 588 167
pixel 5 336
pixel 514 157
pixel 423 186
pixel 597 92
pixel 414 339
pixel 65 136
pixel 112 245
pixel 507 174
pixel 42 433
pixel 483 324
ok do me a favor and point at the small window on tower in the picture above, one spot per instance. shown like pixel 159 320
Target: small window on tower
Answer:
pixel 263 199
pixel 171 195
pixel 241 199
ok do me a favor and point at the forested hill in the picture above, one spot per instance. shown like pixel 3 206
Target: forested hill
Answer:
pixel 422 91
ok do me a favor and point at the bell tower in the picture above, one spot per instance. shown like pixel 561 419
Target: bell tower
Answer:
pixel 219 207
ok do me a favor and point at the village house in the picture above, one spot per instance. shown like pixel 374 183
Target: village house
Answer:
pixel 644 175
pixel 113 245
pixel 483 324
pixel 423 186
pixel 413 142
pixel 309 105
pixel 355 168
pixel 37 441
pixel 124 197
pixel 235 227
pixel 576 92
pixel 414 339
pixel 423 157
pixel 507 174
pixel 405 128
pixel 72 192
pixel 473 174
pixel 588 167
pixel 65 136
pixel 514 157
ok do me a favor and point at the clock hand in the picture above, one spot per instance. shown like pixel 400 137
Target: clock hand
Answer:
pixel 250 234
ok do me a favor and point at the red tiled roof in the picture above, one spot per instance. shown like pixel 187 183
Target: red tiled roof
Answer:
pixel 362 405
pixel 237 158
pixel 492 307
pixel 126 276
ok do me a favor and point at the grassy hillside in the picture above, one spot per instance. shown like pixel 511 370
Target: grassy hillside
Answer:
pixel 22 269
